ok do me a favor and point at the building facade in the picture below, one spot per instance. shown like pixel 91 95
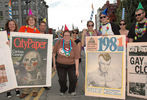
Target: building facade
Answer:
pixel 20 9
pixel 97 19
pixel 111 9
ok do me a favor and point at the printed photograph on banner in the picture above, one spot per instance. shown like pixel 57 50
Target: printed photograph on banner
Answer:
pixel 101 70
pixel 7 74
pixel 137 70
pixel 137 88
pixel 29 56
pixel 3 75
pixel 105 66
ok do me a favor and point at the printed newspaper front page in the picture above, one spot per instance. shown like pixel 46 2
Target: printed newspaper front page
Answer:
pixel 137 69
pixel 32 59
pixel 105 66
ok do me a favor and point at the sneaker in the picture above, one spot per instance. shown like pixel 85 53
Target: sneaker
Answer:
pixel 35 94
pixel 22 95
pixel 9 95
pixel 47 88
pixel 73 94
pixel 61 94
pixel 17 93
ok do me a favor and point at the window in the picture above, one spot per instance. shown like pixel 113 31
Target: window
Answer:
pixel 6 12
pixel 24 12
pixel 13 3
pixel 16 3
pixel 13 12
pixel 1 13
pixel 6 4
pixel 16 12
pixel 16 20
pixel 23 3
pixel 1 4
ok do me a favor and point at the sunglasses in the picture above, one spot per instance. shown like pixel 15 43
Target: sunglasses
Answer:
pixel 122 24
pixel 138 14
pixel 90 25
pixel 102 17
pixel 75 32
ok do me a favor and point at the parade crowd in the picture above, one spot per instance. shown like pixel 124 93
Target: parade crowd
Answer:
pixel 68 48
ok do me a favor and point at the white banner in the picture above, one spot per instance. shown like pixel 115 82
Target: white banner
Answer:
pixel 7 75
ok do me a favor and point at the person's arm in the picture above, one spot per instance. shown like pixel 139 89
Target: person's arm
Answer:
pixel 8 43
pixel 54 61
pixel 76 58
pixel 77 67
pixel 83 37
pixel 131 33
pixel 130 40
pixel 79 46
pixel 54 54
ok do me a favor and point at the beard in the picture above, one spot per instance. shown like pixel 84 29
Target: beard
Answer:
pixel 140 19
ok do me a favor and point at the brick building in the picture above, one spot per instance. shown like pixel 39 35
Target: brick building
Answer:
pixel 20 10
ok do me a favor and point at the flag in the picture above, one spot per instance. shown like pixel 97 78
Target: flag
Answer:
pixel 92 12
pixel 10 9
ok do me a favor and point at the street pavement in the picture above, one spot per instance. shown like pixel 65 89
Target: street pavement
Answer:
pixel 53 93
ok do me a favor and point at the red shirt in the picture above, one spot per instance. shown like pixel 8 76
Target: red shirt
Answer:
pixel 28 29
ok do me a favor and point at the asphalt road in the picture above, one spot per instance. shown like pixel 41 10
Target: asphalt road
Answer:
pixel 53 93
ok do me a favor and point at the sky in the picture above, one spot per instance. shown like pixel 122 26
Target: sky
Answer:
pixel 72 12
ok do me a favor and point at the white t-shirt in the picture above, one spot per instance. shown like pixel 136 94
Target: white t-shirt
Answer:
pixel 105 31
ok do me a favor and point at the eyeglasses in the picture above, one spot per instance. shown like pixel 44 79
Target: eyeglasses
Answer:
pixel 90 25
pixel 122 24
pixel 138 14
pixel 102 17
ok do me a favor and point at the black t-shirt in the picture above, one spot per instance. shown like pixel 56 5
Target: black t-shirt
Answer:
pixel 132 33
pixel 77 41
pixel 115 29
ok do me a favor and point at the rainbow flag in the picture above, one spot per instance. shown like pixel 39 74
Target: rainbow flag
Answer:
pixel 10 9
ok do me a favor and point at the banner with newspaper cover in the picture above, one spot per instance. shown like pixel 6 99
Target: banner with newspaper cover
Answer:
pixel 32 59
pixel 137 69
pixel 7 76
pixel 105 66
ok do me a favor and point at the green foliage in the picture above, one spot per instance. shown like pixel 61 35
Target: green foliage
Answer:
pixel 130 8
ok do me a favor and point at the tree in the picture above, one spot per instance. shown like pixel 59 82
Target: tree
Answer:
pixel 130 8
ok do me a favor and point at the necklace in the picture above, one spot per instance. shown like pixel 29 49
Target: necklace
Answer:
pixel 90 33
pixel 8 34
pixel 140 33
pixel 67 51
pixel 107 28
pixel 26 28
